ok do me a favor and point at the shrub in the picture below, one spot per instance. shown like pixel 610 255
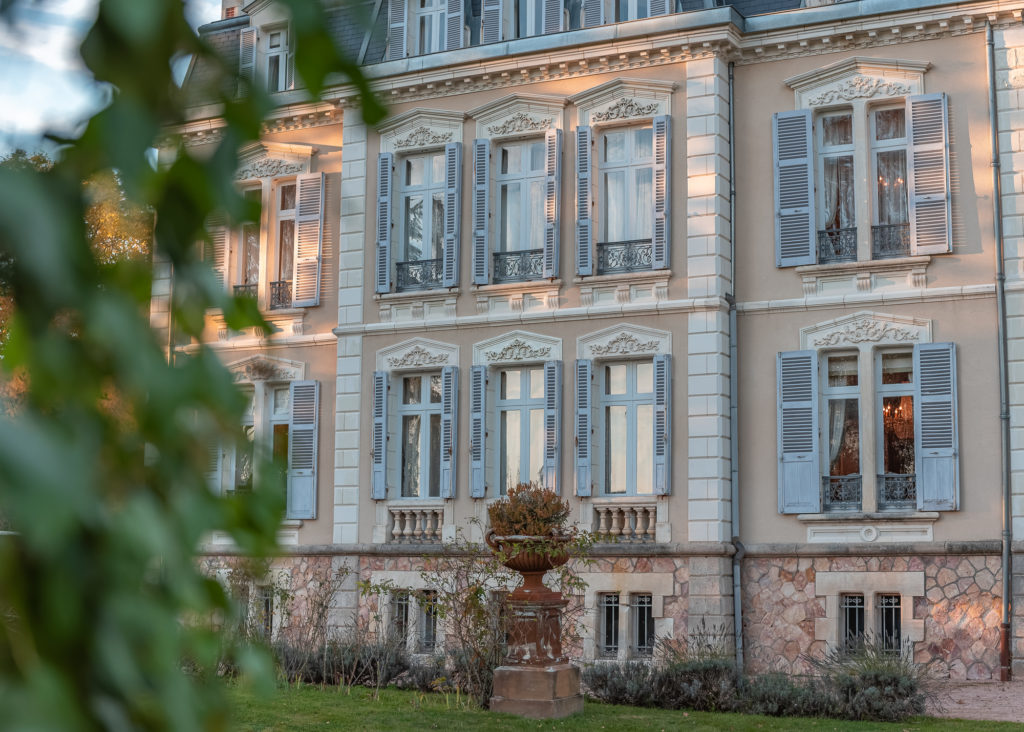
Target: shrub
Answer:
pixel 631 683
pixel 351 661
pixel 528 510
pixel 426 676
pixel 780 695
pixel 708 685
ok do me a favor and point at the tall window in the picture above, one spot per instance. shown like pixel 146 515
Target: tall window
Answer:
pixel 279 72
pixel 429 24
pixel 520 182
pixel 608 625
pixel 890 623
pixel 631 10
pixel 529 18
pixel 842 425
pixel 897 483
pixel 428 621
pixel 521 426
pixel 851 608
pixel 280 418
pixel 400 615
pixel 421 206
pixel 627 404
pixel 249 251
pixel 242 469
pixel 281 287
pixel 889 164
pixel 838 239
pixel 642 636
pixel 269 435
pixel 626 175
pixel 420 418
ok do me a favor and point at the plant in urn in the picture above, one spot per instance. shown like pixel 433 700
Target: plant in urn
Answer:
pixel 528 535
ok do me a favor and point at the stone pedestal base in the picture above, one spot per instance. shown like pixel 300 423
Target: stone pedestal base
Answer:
pixel 537 692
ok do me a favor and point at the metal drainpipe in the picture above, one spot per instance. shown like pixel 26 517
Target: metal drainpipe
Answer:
pixel 734 450
pixel 1004 401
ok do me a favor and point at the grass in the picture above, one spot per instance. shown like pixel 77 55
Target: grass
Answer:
pixel 297 709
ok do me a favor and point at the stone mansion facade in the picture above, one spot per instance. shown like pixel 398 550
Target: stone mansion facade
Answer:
pixel 724 275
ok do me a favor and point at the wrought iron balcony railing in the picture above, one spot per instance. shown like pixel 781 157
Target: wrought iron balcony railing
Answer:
pixel 837 245
pixel 841 492
pixel 519 266
pixel 246 291
pixel 897 492
pixel 624 256
pixel 422 275
pixel 280 294
pixel 889 241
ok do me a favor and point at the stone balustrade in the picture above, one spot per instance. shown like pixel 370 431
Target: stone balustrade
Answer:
pixel 625 522
pixel 420 525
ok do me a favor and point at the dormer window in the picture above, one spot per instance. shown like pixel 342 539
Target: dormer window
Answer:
pixel 278 66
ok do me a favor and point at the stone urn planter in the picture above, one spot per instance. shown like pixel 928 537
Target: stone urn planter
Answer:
pixel 537 681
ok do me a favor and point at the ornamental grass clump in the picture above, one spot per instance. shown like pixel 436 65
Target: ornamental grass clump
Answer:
pixel 528 510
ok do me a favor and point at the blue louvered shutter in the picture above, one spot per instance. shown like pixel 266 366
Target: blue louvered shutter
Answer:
pixel 456 31
pixel 477 431
pixel 662 425
pixel 552 194
pixel 584 192
pixel 593 13
pixel 215 249
pixel 799 471
pixel 928 175
pixel 213 467
pixel 452 213
pixel 481 210
pixel 449 429
pixel 309 227
pixel 552 424
pixel 795 231
pixel 659 7
pixel 661 243
pixel 246 59
pixel 935 427
pixel 553 16
pixel 396 29
pixel 302 450
pixel 490 21
pixel 379 438
pixel 385 166
pixel 584 425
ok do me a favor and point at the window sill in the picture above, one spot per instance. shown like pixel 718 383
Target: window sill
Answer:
pixel 417 294
pixel 843 516
pixel 864 276
pixel 858 527
pixel 632 500
pixel 640 276
pixel 502 288
pixel 287 321
pixel 438 304
pixel 623 288
pixel 517 297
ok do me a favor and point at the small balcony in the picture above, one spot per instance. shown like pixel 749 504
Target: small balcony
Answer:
pixel 837 245
pixel 841 493
pixel 280 294
pixel 890 241
pixel 630 523
pixel 518 266
pixel 897 492
pixel 424 274
pixel 625 256
pixel 420 525
pixel 246 290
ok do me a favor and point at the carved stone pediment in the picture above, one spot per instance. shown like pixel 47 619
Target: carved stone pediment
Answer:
pixel 265 368
pixel 517 346
pixel 270 159
pixel 866 329
pixel 518 114
pixel 624 341
pixel 421 129
pixel 417 353
pixel 624 99
pixel 858 78
pixel 519 122
pixel 859 87
pixel 424 137
pixel 625 108
pixel 268 168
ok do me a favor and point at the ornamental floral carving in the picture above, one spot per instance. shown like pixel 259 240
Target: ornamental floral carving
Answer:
pixel 519 122
pixel 267 168
pixel 860 87
pixel 868 331
pixel 262 371
pixel 624 344
pixel 422 136
pixel 623 108
pixel 517 350
pixel 415 357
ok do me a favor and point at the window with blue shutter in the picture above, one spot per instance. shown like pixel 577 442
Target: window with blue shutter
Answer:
pixel 379 436
pixel 246 59
pixel 584 422
pixel 385 166
pixel 456 26
pixel 452 213
pixel 593 13
pixel 795 226
pixel 449 429
pixel 928 174
pixel 477 431
pixel 552 424
pixel 935 427
pixel 662 425
pixel 661 242
pixel 553 16
pixel 481 210
pixel 308 240
pixel 302 449
pixel 215 248
pixel 799 490
pixel 584 195
pixel 396 29
pixel 490 21
pixel 552 191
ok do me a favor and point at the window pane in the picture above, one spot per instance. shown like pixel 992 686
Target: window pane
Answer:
pixel 614 146
pixel 645 378
pixel 616 435
pixel 511 215
pixel 410 456
pixel 511 382
pixel 645 449
pixel 274 73
pixel 280 448
pixel 842 371
pixel 641 9
pixel 837 192
pixel 843 437
pixel 852 614
pixel 536 383
pixel 536 444
pixel 510 441
pixel 614 206
pixel 897 368
pixel 537 155
pixel 435 389
pixel 892 187
pixel 288 197
pixel 889 622
pixel 250 254
pixel 437 226
pixel 282 401
pixel 837 129
pixel 608 607
pixel 898 435
pixel 437 163
pixel 414 172
pixel 534 238
pixel 243 459
pixel 643 625
pixel 511 159
pixel 621 10
pixel 537 27
pixel 435 455
pixel 890 124
pixel 615 378
pixel 643 208
pixel 411 389
pixel 413 217
pixel 400 616
pixel 275 40
pixel 644 138
pixel 286 245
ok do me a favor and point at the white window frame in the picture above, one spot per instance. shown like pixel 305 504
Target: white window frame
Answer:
pixel 641 608
pixel 258 420
pixel 428 631
pixel 631 166
pixel 891 390
pixel 876 146
pixel 829 393
pixel 633 9
pixel 239 257
pixel 533 10
pixel 823 151
pixel 525 405
pixel 281 216
pixel 605 606
pixel 632 399
pixel 423 409
pixel 427 190
pixel 525 178
pixel 436 11
pixel 280 53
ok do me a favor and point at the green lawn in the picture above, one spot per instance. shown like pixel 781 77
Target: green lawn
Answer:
pixel 310 708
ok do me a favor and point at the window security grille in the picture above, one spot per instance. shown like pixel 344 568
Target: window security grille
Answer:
pixel 608 626
pixel 889 630
pixel 642 610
